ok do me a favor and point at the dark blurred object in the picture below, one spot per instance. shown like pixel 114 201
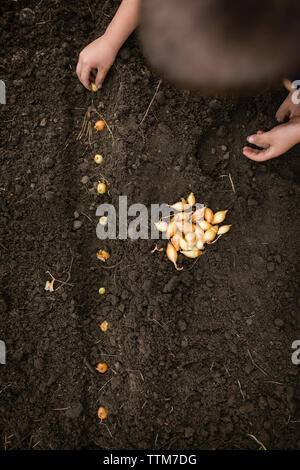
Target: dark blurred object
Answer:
pixel 218 44
pixel 27 17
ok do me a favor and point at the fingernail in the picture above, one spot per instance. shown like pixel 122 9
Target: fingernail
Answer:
pixel 250 139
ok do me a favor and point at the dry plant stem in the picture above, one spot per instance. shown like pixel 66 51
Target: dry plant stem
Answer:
pixel 66 282
pixel 231 181
pixel 257 441
pixel 255 365
pixel 156 249
pixel 150 104
pixel 211 243
pixel 107 382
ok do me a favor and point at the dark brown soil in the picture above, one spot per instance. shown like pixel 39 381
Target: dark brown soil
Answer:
pixel 179 343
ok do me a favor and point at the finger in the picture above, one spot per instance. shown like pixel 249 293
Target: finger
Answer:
pixel 259 155
pixel 85 77
pixel 288 85
pixel 259 132
pixel 100 78
pixel 258 139
pixel 283 113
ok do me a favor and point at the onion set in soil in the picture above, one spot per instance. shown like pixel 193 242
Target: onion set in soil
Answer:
pixel 189 230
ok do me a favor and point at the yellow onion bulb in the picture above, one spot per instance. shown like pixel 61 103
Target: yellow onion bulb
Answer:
pixel 191 239
pixel 219 217
pixel 204 225
pixel 210 234
pixel 172 255
pixel 191 199
pixel 224 229
pixel 198 215
pixel 161 226
pixel 208 215
pixel 175 240
pixel 194 253
pixel 171 230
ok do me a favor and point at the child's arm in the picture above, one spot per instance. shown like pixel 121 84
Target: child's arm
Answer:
pixel 96 59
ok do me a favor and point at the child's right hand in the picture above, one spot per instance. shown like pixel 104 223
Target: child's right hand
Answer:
pixel 95 61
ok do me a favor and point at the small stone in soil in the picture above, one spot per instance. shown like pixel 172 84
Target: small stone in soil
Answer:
pixel 49 196
pixel 43 122
pixel 18 189
pixel 182 325
pixel 278 322
pixel 27 17
pixel 77 224
pixel 85 179
pixel 270 267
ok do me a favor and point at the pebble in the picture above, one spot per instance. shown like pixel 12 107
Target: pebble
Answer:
pixel 252 202
pixel 85 179
pixel 49 162
pixel 27 17
pixel 224 148
pixel 182 325
pixel 270 267
pixel 226 156
pixel 76 215
pixel 43 122
pixel 77 224
pixel 49 196
pixel 188 433
pixel 278 322
pixel 75 411
pixel 18 189
pixel 171 285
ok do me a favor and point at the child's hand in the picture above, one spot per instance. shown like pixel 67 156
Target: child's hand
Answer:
pixel 95 61
pixel 275 142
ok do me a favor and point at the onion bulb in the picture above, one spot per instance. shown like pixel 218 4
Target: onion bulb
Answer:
pixel 183 244
pixel 200 245
pixel 94 88
pixel 191 199
pixel 181 206
pixel 103 220
pixel 103 255
pixel 102 413
pixel 204 225
pixel 219 217
pixel 198 215
pixel 102 367
pixel 102 290
pixel 172 255
pixel 161 226
pixel 199 232
pixel 208 215
pixel 191 239
pixel 101 188
pixel 224 229
pixel 184 227
pixel 98 159
pixel 104 326
pixel 171 230
pixel 210 234
pixel 99 125
pixel 194 253
pixel 175 240
pixel 181 216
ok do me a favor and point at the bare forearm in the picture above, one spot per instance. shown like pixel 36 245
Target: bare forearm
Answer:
pixel 124 23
